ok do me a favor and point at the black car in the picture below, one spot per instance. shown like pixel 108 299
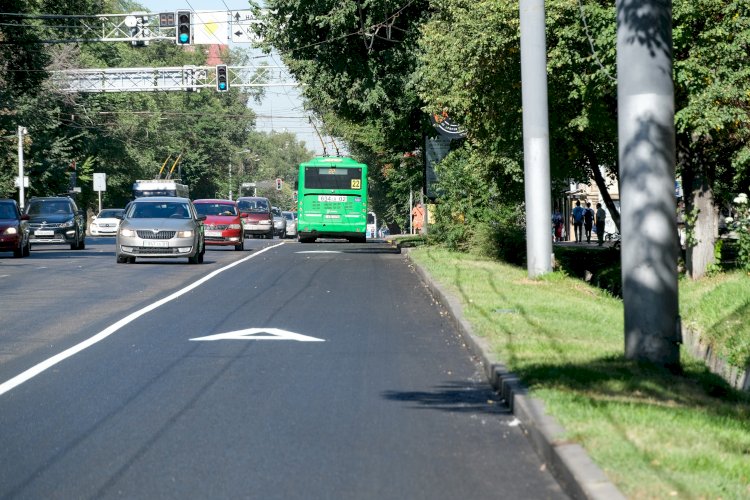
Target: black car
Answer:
pixel 56 219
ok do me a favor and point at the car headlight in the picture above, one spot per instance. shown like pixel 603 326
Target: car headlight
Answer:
pixel 235 226
pixel 11 230
pixel 128 233
pixel 69 223
pixel 185 234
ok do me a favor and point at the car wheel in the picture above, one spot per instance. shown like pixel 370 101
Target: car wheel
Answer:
pixel 240 246
pixel 270 235
pixel 27 249
pixel 18 252
pixel 121 259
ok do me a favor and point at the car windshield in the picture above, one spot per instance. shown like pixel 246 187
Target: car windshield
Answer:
pixel 289 215
pixel 49 208
pixel 276 212
pixel 7 211
pixel 215 209
pixel 253 206
pixel 159 210
pixel 109 214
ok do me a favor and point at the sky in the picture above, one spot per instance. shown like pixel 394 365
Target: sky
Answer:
pixel 281 109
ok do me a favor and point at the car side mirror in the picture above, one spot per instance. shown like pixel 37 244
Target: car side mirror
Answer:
pixel 244 214
pixel 25 217
pixel 201 217
pixel 118 216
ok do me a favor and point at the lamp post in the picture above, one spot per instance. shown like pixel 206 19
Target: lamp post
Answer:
pixel 21 193
pixel 241 184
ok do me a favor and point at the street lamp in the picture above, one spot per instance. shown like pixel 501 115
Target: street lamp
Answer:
pixel 241 185
pixel 21 193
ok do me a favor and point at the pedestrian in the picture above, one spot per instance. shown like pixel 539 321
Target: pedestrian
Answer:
pixel 588 220
pixel 578 221
pixel 417 218
pixel 557 224
pixel 601 218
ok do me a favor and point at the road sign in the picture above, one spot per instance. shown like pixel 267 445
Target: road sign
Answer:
pixel 100 182
pixel 260 334
pixel 210 28
pixel 241 26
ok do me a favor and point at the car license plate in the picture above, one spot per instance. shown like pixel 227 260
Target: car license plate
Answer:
pixel 333 216
pixel 213 233
pixel 325 197
pixel 155 243
pixel 44 232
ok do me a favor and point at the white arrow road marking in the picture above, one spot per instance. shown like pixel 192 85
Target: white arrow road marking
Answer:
pixel 252 334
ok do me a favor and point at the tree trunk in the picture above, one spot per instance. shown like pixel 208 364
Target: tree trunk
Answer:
pixel 602 185
pixel 704 230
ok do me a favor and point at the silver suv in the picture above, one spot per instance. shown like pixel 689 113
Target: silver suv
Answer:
pixel 279 222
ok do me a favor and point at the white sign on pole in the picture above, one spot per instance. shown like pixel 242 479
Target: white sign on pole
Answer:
pixel 210 27
pixel 100 182
pixel 242 22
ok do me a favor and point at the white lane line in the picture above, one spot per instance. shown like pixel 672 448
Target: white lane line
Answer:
pixel 57 358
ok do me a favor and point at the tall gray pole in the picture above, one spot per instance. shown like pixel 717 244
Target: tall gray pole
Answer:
pixel 645 102
pixel 535 138
pixel 21 187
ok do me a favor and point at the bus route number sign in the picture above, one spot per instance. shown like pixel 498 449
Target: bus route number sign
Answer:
pixel 325 197
pixel 356 183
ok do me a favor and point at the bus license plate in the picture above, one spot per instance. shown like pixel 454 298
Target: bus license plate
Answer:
pixel 155 243
pixel 324 197
pixel 333 216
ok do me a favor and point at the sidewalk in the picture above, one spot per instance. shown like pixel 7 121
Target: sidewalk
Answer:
pixel 577 474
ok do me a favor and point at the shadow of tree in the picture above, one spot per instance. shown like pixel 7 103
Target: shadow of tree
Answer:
pixel 454 397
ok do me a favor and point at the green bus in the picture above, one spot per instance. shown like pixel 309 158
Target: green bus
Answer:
pixel 332 199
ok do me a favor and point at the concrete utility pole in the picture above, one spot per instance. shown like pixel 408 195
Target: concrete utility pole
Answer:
pixel 645 101
pixel 536 138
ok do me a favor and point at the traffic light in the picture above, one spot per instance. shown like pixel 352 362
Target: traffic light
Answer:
pixel 222 81
pixel 183 27
pixel 278 184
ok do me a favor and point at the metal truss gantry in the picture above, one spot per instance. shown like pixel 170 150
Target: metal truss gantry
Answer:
pixel 185 78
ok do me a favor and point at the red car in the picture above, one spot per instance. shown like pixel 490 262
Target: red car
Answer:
pixel 223 224
pixel 14 229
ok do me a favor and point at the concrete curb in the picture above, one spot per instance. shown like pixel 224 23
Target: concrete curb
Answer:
pixel 577 474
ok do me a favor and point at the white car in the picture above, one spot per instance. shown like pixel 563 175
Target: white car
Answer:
pixel 291 224
pixel 106 222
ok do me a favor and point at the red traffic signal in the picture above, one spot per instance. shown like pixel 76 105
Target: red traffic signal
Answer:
pixel 278 184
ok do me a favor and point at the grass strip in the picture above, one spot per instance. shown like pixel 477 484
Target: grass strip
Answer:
pixel 655 434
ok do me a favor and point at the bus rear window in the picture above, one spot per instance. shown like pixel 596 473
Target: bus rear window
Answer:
pixel 333 178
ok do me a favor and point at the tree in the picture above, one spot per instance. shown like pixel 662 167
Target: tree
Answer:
pixel 712 81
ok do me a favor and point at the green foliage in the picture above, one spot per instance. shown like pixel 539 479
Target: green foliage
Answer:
pixel 740 223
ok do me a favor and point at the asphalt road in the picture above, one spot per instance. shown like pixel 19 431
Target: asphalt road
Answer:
pixel 286 371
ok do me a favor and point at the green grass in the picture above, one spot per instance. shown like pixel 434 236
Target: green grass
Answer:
pixel 719 308
pixel 655 434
